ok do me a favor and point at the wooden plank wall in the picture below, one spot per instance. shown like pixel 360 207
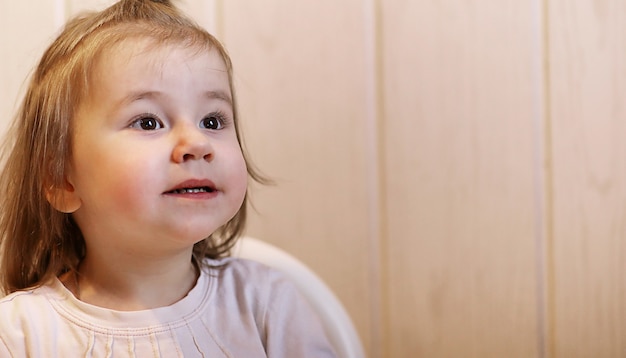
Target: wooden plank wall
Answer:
pixel 459 109
pixel 454 170
pixel 587 117
pixel 24 34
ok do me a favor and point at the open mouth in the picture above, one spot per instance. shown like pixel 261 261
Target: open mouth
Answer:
pixel 202 189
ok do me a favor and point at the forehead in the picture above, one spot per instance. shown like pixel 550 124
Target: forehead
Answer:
pixel 149 54
pixel 134 63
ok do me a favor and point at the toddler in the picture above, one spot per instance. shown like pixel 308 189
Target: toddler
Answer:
pixel 124 188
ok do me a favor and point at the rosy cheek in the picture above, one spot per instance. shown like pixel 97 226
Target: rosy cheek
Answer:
pixel 242 178
pixel 124 188
pixel 125 195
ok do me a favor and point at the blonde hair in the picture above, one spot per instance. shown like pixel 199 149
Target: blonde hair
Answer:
pixel 38 242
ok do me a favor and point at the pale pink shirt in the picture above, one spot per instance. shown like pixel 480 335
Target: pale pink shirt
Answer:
pixel 244 310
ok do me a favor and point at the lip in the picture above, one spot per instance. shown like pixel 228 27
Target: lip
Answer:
pixel 193 184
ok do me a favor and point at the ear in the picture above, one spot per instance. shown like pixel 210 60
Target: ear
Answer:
pixel 65 199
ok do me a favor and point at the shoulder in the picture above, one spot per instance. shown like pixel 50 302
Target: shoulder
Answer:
pixel 258 290
pixel 248 280
pixel 17 306
pixel 248 271
pixel 24 313
pixel 286 323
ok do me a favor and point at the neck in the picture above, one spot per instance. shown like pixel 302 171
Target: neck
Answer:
pixel 134 284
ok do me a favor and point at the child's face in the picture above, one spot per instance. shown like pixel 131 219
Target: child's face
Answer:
pixel 156 162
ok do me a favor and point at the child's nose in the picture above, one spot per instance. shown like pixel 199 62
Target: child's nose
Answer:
pixel 192 144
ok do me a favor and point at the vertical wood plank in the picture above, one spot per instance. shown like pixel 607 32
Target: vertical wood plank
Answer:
pixel 74 7
pixel 300 76
pixel 461 262
pixel 588 91
pixel 203 11
pixel 26 29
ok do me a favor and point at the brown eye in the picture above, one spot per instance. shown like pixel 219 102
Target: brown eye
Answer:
pixel 147 123
pixel 212 121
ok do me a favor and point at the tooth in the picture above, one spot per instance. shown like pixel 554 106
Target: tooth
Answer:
pixel 191 190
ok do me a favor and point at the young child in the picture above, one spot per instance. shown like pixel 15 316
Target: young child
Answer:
pixel 123 189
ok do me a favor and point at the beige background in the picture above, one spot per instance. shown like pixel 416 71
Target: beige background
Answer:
pixel 455 170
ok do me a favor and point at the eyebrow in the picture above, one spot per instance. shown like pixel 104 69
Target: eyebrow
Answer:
pixel 134 96
pixel 221 95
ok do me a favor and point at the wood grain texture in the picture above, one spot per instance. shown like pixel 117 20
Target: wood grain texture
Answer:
pixel 75 7
pixel 300 77
pixel 588 92
pixel 204 12
pixel 21 46
pixel 461 265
